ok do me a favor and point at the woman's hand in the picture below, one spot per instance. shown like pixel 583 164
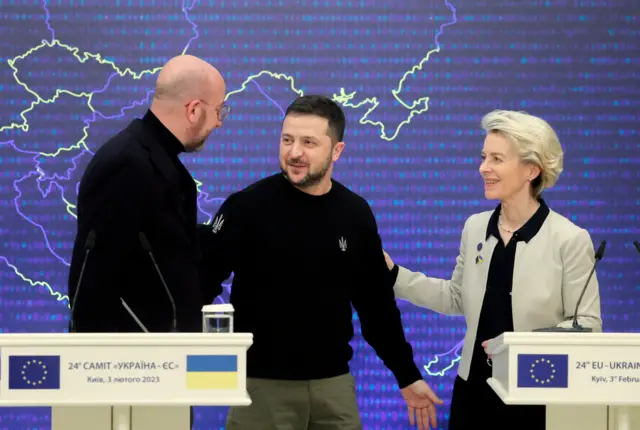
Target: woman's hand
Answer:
pixel 388 260
pixel 484 345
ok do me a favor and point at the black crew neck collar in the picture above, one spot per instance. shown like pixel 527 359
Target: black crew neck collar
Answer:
pixel 168 141
pixel 295 191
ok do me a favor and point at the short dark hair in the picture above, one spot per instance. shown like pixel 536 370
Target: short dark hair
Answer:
pixel 323 107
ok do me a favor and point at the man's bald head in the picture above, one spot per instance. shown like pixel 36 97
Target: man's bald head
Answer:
pixel 185 78
pixel 189 98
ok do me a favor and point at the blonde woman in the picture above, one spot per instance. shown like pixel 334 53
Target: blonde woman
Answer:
pixel 521 266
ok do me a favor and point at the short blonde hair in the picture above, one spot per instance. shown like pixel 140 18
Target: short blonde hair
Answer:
pixel 535 141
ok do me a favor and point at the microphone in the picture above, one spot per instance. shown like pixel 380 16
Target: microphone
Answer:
pixel 637 245
pixel 133 315
pixel 88 246
pixel 575 327
pixel 147 247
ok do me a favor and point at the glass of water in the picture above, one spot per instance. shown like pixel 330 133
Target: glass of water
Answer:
pixel 217 318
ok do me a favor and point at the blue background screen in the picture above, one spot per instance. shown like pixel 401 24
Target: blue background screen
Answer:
pixel 414 77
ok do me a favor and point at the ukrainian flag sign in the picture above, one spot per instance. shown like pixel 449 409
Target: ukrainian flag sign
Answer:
pixel 212 372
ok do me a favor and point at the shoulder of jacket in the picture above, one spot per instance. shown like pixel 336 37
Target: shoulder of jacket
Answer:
pixel 562 228
pixel 120 153
pixel 479 220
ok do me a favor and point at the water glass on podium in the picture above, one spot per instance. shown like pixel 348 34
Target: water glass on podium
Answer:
pixel 217 318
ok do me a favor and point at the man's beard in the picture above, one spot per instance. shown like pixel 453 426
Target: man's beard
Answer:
pixel 311 178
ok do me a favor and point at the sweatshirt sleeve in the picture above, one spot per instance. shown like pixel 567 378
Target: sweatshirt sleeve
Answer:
pixel 219 243
pixel 374 301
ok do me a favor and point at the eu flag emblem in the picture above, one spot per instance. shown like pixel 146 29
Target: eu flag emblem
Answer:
pixel 34 372
pixel 543 370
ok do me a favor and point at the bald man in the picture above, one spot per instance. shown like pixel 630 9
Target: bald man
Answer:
pixel 136 184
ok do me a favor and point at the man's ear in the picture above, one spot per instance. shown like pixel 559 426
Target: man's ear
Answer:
pixel 337 151
pixel 194 111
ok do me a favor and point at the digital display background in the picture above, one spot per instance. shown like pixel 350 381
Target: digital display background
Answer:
pixel 414 77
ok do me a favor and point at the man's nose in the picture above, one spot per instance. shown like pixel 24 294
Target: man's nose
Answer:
pixel 296 151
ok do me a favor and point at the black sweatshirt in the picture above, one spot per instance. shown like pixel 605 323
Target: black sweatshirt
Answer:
pixel 299 262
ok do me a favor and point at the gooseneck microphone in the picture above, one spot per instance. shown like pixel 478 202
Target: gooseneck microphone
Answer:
pixel 133 315
pixel 88 246
pixel 599 255
pixel 576 327
pixel 637 245
pixel 147 247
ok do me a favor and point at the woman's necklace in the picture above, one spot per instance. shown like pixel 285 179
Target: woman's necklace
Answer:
pixel 503 227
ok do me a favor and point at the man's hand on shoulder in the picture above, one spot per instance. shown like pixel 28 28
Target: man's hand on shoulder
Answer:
pixel 421 402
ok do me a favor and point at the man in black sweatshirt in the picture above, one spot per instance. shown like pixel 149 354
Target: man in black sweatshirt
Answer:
pixel 303 249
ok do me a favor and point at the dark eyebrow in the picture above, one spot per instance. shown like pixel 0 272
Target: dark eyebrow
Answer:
pixel 303 137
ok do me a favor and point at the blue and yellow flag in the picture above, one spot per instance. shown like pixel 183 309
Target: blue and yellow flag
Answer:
pixel 212 372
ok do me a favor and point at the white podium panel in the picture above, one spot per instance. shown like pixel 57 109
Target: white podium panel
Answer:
pixel 561 369
pixel 109 373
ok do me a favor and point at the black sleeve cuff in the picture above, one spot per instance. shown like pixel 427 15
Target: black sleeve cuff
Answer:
pixel 407 374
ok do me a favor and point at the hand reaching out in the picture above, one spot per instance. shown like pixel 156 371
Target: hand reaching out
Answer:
pixel 388 259
pixel 421 402
pixel 484 345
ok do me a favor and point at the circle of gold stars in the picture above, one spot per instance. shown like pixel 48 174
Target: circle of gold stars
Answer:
pixel 27 365
pixel 542 380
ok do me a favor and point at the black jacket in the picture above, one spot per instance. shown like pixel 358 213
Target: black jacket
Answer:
pixel 136 183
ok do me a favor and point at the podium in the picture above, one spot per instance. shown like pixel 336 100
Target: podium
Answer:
pixel 568 369
pixel 123 381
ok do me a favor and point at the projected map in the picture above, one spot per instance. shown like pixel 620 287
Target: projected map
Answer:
pixel 414 77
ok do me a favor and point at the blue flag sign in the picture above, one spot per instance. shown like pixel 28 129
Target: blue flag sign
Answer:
pixel 34 372
pixel 543 370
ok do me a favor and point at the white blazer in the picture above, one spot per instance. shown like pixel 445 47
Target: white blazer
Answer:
pixel 549 274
